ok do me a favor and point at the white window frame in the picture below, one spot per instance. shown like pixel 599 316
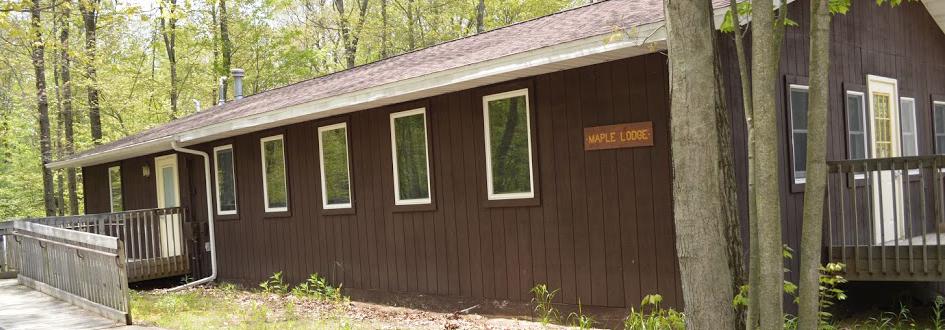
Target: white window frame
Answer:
pixel 866 136
pixel 528 130
pixel 794 170
pixel 111 195
pixel 321 166
pixel 935 134
pixel 863 114
pixel 426 146
pixel 216 175
pixel 262 160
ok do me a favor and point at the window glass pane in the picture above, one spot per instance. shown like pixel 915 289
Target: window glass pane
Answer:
pixel 509 145
pixel 334 145
pixel 857 146
pixel 799 108
pixel 114 187
pixel 411 155
pixel 855 125
pixel 226 180
pixel 940 144
pixel 274 163
pixel 167 181
pixel 855 112
pixel 800 154
pixel 907 118
pixel 939 118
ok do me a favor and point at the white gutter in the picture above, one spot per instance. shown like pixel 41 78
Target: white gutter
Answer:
pixel 213 240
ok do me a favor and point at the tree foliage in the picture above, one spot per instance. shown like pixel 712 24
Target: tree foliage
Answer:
pixel 277 42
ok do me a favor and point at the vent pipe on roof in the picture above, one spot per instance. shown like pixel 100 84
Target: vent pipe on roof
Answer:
pixel 237 82
pixel 222 91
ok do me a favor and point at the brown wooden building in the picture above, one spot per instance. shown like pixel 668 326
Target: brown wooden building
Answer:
pixel 462 169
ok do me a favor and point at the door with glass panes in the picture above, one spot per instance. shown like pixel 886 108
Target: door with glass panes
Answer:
pixel 886 187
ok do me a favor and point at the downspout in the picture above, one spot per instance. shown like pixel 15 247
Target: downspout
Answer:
pixel 213 245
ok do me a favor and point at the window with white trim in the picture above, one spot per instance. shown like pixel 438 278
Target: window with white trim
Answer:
pixel 798 107
pixel 223 165
pixel 335 170
pixel 908 127
pixel 857 139
pixel 114 189
pixel 938 114
pixel 409 149
pixel 275 190
pixel 508 144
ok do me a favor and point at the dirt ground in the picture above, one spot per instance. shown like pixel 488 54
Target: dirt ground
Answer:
pixel 215 307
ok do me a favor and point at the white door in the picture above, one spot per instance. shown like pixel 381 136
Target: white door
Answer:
pixel 885 142
pixel 168 195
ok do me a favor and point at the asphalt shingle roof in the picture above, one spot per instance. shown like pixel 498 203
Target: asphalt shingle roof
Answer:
pixel 570 25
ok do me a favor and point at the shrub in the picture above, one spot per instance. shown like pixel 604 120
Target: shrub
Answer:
pixel 275 284
pixel 318 287
pixel 543 297
pixel 657 318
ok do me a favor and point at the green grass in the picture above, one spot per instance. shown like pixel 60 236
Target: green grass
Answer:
pixel 228 308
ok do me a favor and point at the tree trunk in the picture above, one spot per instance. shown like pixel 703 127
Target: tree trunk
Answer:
pixel 65 74
pixel 764 73
pixel 169 32
pixel 816 185
pixel 699 204
pixel 89 9
pixel 226 46
pixel 42 104
pixel 384 50
pixel 481 16
pixel 751 320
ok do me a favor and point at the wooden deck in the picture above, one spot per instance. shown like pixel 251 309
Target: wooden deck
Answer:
pixel 154 239
pixel 23 308
pixel 885 218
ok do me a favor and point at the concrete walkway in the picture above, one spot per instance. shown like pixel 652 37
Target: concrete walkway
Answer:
pixel 22 308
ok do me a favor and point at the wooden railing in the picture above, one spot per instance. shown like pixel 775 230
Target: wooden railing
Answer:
pixel 8 257
pixel 885 218
pixel 154 238
pixel 85 269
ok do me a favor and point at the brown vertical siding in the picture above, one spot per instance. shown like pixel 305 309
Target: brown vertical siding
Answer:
pixel 600 229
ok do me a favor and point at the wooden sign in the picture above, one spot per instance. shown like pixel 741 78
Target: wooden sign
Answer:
pixel 629 135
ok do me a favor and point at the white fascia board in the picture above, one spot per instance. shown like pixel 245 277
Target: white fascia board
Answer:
pixel 501 69
pixel 936 9
pixel 134 150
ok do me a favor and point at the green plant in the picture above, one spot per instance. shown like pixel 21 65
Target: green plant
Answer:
pixel 657 318
pixel 318 287
pixel 275 284
pixel 937 322
pixel 830 292
pixel 543 297
pixel 579 319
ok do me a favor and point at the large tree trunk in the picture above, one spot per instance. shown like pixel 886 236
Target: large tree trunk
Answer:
pixel 169 32
pixel 42 104
pixel 226 46
pixel 89 9
pixel 65 74
pixel 815 187
pixel 764 73
pixel 699 202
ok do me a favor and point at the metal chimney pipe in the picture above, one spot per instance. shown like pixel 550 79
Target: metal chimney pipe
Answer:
pixel 238 82
pixel 221 91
